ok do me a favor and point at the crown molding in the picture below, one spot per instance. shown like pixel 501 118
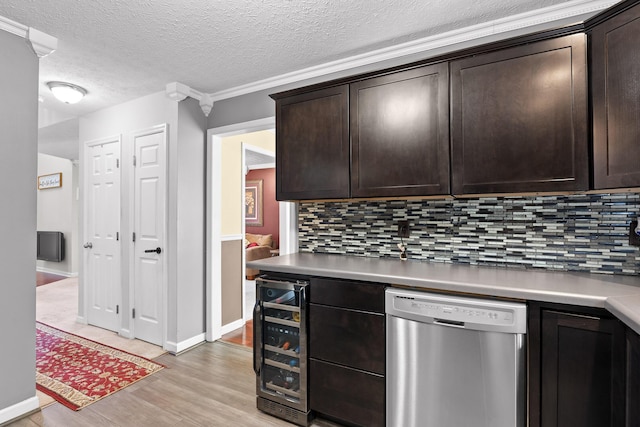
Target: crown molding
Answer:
pixel 179 92
pixel 13 27
pixel 432 45
pixel 42 44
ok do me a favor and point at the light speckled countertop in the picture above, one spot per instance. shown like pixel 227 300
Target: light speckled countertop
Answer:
pixel 618 294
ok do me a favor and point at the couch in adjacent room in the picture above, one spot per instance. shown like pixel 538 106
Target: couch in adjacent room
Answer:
pixel 257 246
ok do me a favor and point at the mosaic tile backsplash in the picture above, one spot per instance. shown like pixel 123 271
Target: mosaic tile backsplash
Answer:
pixel 587 233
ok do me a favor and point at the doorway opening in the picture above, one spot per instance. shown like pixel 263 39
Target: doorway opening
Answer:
pixel 227 222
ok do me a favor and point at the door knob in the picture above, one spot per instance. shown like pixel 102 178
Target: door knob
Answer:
pixel 156 250
pixel 88 245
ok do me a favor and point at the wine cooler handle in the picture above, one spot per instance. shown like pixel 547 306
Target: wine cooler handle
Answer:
pixel 303 296
pixel 257 339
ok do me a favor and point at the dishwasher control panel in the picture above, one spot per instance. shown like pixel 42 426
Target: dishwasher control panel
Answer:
pixel 455 312
pixel 463 312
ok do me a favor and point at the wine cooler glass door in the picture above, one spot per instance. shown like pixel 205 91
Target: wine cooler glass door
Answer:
pixel 282 374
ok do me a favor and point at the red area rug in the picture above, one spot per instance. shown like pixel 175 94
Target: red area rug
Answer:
pixel 77 372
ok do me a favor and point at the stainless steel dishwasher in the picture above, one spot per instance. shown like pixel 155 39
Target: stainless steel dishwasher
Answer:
pixel 454 361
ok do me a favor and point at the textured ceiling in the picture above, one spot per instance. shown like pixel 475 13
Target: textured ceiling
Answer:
pixel 122 49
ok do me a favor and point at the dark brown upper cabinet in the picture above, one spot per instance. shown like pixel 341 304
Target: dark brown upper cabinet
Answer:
pixel 312 145
pixel 615 86
pixel 400 133
pixel 519 119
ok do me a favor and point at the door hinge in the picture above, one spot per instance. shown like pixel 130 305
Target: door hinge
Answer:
pixel 117 163
pixel 117 236
pixel 134 236
pixel 134 160
pixel 133 313
pixel 117 309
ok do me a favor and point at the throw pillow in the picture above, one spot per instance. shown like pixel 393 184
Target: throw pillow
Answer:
pixel 265 240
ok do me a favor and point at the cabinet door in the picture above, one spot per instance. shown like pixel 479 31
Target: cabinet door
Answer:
pixel 400 133
pixel 312 145
pixel 347 337
pixel 633 379
pixel 615 83
pixel 582 364
pixel 519 119
pixel 346 394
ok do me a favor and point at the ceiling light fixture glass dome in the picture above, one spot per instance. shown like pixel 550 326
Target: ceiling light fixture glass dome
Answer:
pixel 67 92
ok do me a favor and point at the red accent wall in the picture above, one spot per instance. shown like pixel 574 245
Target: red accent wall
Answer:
pixel 270 218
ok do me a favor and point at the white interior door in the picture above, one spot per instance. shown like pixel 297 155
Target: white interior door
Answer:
pixel 101 230
pixel 149 195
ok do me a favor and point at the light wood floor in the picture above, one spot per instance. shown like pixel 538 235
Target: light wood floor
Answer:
pixel 210 385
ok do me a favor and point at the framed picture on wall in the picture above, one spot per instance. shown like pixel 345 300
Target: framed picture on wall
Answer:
pixel 253 203
pixel 52 180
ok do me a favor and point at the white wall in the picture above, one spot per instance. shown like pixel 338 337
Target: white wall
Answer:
pixel 18 157
pixel 186 179
pixel 57 212
pixel 122 119
pixel 191 237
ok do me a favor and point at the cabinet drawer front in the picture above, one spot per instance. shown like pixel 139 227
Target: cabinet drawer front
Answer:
pixel 346 394
pixel 347 337
pixel 347 294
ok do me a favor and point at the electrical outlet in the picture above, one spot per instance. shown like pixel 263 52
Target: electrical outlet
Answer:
pixel 634 239
pixel 403 228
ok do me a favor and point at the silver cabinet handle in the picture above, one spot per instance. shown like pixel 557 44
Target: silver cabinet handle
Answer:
pixel 88 245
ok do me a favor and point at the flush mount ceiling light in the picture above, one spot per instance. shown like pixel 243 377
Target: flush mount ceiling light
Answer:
pixel 67 92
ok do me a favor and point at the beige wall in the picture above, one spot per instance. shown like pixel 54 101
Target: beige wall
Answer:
pixel 231 218
pixel 232 176
pixel 232 296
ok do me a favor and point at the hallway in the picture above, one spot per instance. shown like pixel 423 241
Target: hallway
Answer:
pixel 57 306
pixel 212 384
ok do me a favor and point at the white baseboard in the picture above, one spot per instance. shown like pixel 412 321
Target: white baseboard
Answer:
pixel 126 333
pixel 58 272
pixel 176 348
pixel 230 327
pixel 19 409
pixel 82 320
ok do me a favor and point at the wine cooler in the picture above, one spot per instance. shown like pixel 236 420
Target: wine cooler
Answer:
pixel 280 348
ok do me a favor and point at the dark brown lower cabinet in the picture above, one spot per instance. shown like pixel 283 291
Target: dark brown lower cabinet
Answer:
pixel 633 379
pixel 347 351
pixel 576 367
pixel 348 337
pixel 345 394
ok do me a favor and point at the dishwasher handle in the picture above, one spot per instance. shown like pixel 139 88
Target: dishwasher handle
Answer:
pixel 449 323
